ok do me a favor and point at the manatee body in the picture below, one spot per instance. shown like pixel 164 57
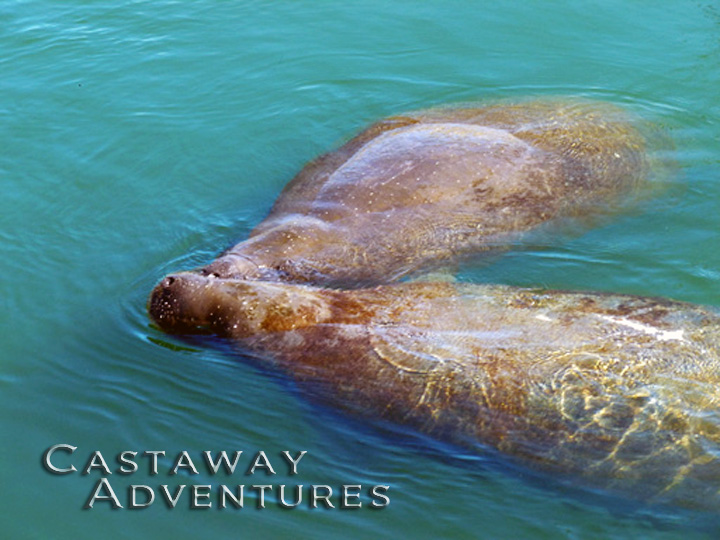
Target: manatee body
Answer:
pixel 421 190
pixel 620 391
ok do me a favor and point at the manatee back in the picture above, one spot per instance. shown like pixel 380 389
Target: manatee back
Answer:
pixel 596 144
pixel 421 191
pixel 622 391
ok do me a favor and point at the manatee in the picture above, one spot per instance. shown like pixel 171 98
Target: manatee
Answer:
pixel 615 392
pixel 422 190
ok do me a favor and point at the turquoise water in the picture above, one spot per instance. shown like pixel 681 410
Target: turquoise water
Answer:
pixel 142 137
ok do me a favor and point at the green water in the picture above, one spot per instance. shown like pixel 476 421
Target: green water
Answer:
pixel 142 137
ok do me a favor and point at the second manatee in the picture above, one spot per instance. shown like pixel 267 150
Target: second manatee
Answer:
pixel 420 191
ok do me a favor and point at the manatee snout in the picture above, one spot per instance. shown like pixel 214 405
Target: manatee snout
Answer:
pixel 178 304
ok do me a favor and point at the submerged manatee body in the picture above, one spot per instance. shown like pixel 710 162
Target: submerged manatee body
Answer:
pixel 620 391
pixel 422 190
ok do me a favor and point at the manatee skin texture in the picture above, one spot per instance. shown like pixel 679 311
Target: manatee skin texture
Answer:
pixel 423 190
pixel 618 392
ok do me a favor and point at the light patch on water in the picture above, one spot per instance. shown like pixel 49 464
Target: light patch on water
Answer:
pixel 662 335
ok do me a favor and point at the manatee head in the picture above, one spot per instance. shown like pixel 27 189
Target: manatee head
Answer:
pixel 181 304
pixel 294 249
pixel 192 303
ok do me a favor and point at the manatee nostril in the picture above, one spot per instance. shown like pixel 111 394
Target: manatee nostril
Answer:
pixel 207 272
pixel 169 281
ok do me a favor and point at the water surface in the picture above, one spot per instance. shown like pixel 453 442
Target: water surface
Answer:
pixel 142 137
